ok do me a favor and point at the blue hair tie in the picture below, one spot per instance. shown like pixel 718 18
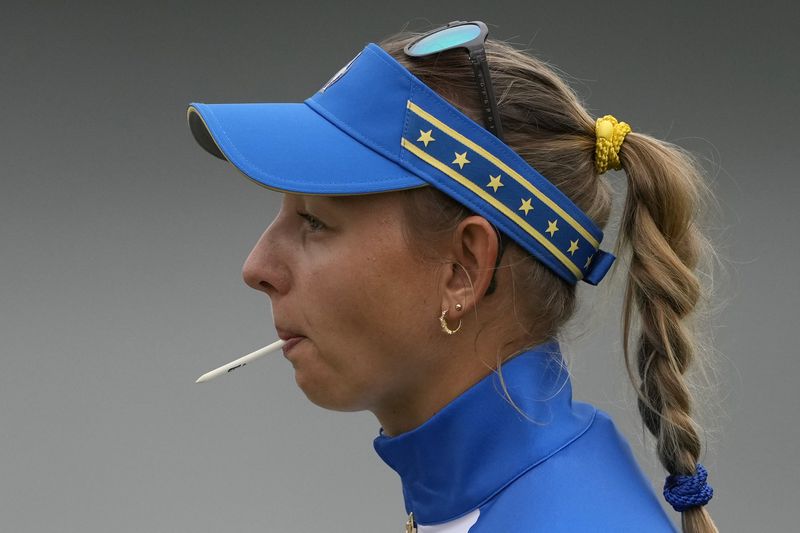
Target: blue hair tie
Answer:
pixel 684 492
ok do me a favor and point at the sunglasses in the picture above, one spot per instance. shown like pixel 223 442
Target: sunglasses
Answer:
pixel 472 36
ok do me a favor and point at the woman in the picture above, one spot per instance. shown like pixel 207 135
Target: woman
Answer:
pixel 426 256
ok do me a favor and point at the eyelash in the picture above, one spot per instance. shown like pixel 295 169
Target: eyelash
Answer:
pixel 311 221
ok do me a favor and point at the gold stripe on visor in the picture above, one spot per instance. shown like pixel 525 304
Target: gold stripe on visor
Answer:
pixel 508 170
pixel 408 145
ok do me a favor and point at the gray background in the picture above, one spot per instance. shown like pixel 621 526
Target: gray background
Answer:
pixel 122 244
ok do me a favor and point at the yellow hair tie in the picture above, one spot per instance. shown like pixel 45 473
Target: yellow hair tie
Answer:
pixel 610 135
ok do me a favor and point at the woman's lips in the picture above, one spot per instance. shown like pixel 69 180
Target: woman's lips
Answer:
pixel 290 343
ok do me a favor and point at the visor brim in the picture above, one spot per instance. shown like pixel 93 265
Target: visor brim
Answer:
pixel 289 147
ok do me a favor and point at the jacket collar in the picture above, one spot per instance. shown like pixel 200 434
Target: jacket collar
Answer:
pixel 478 443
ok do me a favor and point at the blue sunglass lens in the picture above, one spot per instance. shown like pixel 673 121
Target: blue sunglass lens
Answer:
pixel 445 39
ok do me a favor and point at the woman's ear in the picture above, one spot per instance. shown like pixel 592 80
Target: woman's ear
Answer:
pixel 474 250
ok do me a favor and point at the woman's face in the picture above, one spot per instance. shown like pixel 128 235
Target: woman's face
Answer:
pixel 347 281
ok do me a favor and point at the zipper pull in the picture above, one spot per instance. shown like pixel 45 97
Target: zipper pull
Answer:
pixel 411 524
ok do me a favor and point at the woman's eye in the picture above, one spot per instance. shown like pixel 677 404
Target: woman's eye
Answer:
pixel 313 223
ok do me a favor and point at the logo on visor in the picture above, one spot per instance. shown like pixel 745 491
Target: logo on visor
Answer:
pixel 339 74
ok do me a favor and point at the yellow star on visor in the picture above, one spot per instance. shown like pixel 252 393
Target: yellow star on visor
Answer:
pixel 526 205
pixel 552 227
pixel 461 159
pixel 426 136
pixel 494 182
pixel 573 246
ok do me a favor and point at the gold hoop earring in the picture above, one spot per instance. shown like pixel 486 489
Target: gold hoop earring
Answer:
pixel 443 322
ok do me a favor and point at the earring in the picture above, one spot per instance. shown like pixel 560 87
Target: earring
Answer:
pixel 443 322
pixel 458 307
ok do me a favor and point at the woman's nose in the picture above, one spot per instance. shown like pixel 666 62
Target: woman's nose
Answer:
pixel 262 270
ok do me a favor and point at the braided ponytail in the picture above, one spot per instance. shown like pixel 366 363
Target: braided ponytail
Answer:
pixel 665 193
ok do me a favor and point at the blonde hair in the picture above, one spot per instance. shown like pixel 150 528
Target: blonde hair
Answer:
pixel 545 122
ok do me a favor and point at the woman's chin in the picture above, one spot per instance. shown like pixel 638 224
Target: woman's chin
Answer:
pixel 322 396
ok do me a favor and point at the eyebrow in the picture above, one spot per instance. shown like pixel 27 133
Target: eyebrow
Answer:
pixel 334 200
pixel 334 203
pixel 338 200
pixel 344 198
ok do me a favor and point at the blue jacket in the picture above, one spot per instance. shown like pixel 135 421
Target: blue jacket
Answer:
pixel 479 466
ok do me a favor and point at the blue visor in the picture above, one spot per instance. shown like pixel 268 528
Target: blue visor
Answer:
pixel 375 127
